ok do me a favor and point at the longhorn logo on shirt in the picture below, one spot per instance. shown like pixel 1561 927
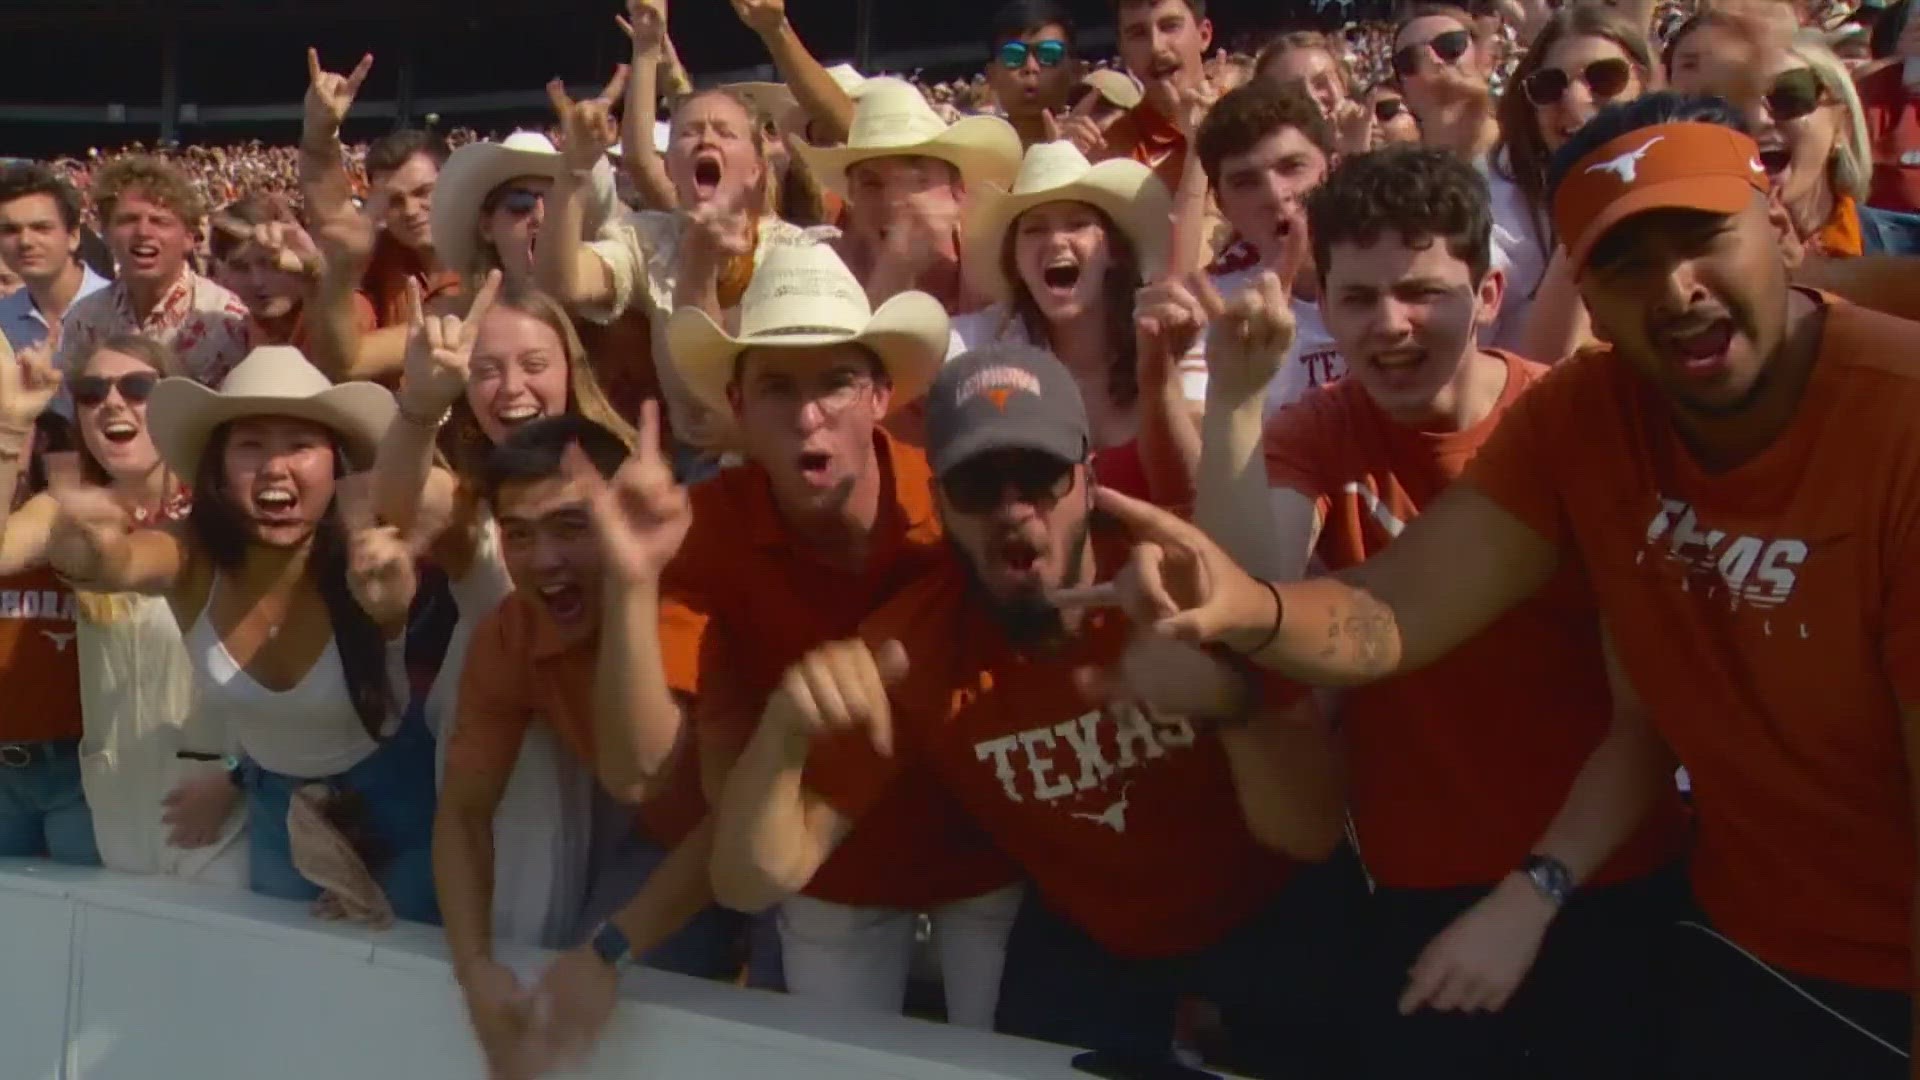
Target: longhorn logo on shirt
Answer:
pixel 1755 571
pixel 1030 764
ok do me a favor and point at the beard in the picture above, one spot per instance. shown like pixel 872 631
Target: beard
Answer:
pixel 1029 619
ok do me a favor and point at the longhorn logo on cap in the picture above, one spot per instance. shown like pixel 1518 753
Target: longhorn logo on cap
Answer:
pixel 1627 165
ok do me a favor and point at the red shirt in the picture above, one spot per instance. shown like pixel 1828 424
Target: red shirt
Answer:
pixel 39 663
pixel 1893 129
pixel 1769 616
pixel 1455 770
pixel 1126 821
pixel 1152 140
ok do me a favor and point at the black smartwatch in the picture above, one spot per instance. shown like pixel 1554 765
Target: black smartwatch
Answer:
pixel 1550 878
pixel 610 944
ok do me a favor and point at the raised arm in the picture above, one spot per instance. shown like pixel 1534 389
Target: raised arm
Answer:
pixel 826 105
pixel 564 265
pixel 323 173
pixel 439 356
pixel 646 23
pixel 28 384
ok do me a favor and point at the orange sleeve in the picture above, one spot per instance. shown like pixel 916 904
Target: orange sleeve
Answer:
pixel 1900 636
pixel 683 650
pixel 727 711
pixel 1295 445
pixel 1517 466
pixel 364 316
pixel 491 714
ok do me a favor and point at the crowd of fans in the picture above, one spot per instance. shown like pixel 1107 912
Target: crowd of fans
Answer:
pixel 1388 552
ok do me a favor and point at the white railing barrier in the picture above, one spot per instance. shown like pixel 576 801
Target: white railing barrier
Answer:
pixel 110 977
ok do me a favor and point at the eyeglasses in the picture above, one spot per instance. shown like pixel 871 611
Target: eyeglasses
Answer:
pixel 1603 78
pixel 517 201
pixel 1386 109
pixel 1049 53
pixel 834 393
pixel 1447 48
pixel 1794 94
pixel 980 486
pixel 135 387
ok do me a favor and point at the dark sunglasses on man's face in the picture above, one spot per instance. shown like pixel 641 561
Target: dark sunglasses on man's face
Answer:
pixel 518 201
pixel 1048 53
pixel 135 387
pixel 1604 79
pixel 1447 48
pixel 1386 109
pixel 980 486
pixel 1794 94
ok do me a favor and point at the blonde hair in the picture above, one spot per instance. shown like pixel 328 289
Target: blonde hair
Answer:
pixel 1850 166
pixel 158 180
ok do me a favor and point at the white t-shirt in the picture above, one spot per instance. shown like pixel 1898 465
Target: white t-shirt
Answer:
pixel 1313 360
pixel 1517 252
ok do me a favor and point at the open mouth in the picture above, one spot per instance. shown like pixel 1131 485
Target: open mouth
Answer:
pixel 1165 69
pixel 707 172
pixel 1702 350
pixel 515 415
pixel 1399 361
pixel 275 503
pixel 144 252
pixel 120 432
pixel 1013 562
pixel 1775 160
pixel 1061 277
pixel 567 604
pixel 814 467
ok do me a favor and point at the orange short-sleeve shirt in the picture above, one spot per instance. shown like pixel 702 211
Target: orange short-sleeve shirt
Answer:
pixel 1769 616
pixel 520 672
pixel 1455 770
pixel 1125 820
pixel 39 662
pixel 745 600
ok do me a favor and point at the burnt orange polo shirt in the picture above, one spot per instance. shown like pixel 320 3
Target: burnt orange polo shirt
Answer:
pixel 520 672
pixel 39 662
pixel 385 281
pixel 744 601
pixel 1152 140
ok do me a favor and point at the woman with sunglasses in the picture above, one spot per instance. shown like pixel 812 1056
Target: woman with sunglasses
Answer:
pixel 1585 58
pixel 1393 122
pixel 160 798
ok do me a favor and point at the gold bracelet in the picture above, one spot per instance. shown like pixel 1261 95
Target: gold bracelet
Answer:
pixel 430 423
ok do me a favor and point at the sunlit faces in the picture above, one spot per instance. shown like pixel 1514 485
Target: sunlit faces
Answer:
pixel 883 191
pixel 1064 254
pixel 1796 124
pixel 1316 69
pixel 806 415
pixel 1406 317
pixel 1393 122
pixel 1165 45
pixel 408 193
pixel 1019 518
pixel 510 219
pixel 1434 58
pixel 711 156
pixel 1695 301
pixel 34 241
pixel 518 373
pixel 551 551
pixel 149 240
pixel 110 398
pixel 1581 76
pixel 1262 191
pixel 278 473
pixel 1033 86
pixel 254 275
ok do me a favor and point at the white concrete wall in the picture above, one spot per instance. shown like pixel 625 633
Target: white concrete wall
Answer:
pixel 107 977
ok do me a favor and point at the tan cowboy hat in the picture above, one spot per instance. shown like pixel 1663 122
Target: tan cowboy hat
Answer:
pixel 1125 190
pixel 478 167
pixel 892 119
pixel 274 380
pixel 1118 87
pixel 803 296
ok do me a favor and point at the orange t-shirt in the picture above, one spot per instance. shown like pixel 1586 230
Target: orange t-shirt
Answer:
pixel 1152 140
pixel 744 601
pixel 1456 769
pixel 519 672
pixel 1769 616
pixel 39 663
pixel 385 281
pixel 1126 821
pixel 298 332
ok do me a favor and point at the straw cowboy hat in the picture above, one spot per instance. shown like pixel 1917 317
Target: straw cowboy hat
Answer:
pixel 274 380
pixel 803 296
pixel 1118 87
pixel 892 119
pixel 477 168
pixel 1125 190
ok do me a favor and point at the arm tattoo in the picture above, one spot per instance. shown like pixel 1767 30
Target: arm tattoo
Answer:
pixel 1367 629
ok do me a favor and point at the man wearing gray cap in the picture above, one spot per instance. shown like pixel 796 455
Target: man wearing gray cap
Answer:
pixel 1157 795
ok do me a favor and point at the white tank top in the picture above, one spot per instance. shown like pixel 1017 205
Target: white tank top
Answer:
pixel 309 731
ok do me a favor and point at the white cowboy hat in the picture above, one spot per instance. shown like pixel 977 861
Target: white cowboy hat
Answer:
pixel 477 168
pixel 803 296
pixel 1125 190
pixel 1118 87
pixel 892 119
pixel 274 380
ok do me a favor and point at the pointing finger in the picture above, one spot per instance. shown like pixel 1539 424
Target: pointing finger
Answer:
pixel 1102 595
pixel 1087 104
pixel 1050 125
pixel 313 66
pixel 413 306
pixel 624 24
pixel 482 303
pixel 359 75
pixel 557 96
pixel 649 449
pixel 1142 519
pixel 615 86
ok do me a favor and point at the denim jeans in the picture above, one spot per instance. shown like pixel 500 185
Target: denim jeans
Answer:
pixel 396 784
pixel 709 946
pixel 43 810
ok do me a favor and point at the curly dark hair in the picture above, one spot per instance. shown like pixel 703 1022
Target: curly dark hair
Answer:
pixel 1251 112
pixel 1413 191
pixel 388 154
pixel 33 178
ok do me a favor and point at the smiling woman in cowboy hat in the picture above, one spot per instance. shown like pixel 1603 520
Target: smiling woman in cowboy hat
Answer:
pixel 1063 254
pixel 292 650
pixel 492 200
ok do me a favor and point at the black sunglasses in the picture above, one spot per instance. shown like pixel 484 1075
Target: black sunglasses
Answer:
pixel 517 201
pixel 1049 53
pixel 1794 94
pixel 135 387
pixel 1603 78
pixel 980 485
pixel 1386 109
pixel 1447 48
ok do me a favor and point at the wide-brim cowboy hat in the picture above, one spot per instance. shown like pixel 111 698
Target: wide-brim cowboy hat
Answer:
pixel 274 380
pixel 892 119
pixel 803 296
pixel 469 174
pixel 1117 87
pixel 1127 191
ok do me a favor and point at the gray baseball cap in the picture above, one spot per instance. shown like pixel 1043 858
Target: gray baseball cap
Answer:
pixel 1002 397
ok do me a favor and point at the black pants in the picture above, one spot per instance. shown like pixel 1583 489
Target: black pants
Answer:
pixel 1585 1010
pixel 1729 1015
pixel 1271 978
